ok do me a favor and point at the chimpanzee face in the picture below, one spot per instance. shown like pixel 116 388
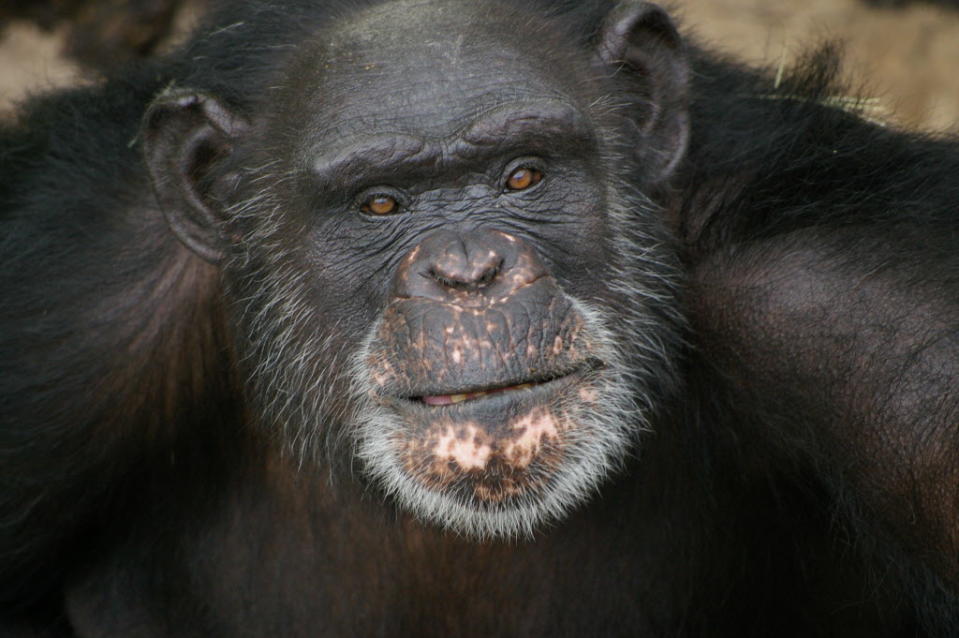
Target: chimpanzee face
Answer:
pixel 423 252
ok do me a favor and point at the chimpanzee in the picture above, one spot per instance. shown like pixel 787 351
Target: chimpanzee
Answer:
pixel 474 318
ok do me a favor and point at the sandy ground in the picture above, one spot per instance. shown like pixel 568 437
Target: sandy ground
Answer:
pixel 30 61
pixel 908 58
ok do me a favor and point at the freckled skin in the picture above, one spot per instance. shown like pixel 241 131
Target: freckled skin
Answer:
pixel 479 335
pixel 471 312
pixel 587 395
pixel 463 445
pixel 533 430
pixel 494 459
pixel 557 345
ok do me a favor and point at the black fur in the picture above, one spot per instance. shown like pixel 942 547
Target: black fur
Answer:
pixel 801 481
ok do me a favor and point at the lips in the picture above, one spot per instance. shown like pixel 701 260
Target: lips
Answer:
pixel 450 399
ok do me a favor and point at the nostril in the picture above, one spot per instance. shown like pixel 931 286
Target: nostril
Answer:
pixel 443 279
pixel 471 267
pixel 491 273
pixel 467 279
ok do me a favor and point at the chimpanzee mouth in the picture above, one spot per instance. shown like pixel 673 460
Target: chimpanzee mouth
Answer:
pixel 477 441
pixel 450 399
pixel 463 396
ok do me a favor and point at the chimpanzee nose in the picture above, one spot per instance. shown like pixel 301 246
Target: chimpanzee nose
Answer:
pixel 471 267
pixel 463 266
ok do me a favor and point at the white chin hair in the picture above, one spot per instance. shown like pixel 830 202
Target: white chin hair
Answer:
pixel 604 429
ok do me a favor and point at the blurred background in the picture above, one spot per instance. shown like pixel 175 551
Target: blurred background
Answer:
pixel 904 53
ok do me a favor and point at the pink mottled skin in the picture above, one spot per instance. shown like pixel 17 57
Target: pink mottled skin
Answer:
pixel 466 451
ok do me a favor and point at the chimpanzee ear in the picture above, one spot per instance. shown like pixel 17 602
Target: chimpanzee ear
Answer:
pixel 184 134
pixel 642 37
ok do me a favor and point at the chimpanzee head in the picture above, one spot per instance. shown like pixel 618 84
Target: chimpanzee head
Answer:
pixel 436 247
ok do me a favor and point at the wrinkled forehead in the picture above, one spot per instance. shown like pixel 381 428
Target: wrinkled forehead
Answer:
pixel 427 68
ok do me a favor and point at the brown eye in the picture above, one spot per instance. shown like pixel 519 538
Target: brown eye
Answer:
pixel 523 178
pixel 380 205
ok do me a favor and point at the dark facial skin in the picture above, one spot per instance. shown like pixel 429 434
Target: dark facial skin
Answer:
pixel 449 197
pixel 440 132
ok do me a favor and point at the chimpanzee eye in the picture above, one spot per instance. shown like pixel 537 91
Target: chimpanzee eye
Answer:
pixel 522 178
pixel 380 205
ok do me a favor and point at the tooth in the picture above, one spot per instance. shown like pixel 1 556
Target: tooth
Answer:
pixel 457 398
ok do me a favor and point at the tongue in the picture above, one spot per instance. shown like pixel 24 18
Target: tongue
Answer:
pixel 448 399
